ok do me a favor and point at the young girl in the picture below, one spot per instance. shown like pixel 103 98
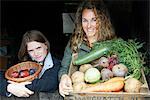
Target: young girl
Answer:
pixel 36 47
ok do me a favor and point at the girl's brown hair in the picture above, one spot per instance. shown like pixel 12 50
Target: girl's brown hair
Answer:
pixel 29 36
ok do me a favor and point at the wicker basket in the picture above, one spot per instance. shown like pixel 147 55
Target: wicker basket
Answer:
pixel 22 66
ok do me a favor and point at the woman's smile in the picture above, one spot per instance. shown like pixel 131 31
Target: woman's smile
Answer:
pixel 89 22
pixel 89 25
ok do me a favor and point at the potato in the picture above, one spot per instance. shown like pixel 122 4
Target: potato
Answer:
pixel 77 77
pixel 132 85
pixel 85 67
pixel 79 86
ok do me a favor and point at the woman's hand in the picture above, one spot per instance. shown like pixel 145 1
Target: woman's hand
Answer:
pixel 65 85
pixel 19 89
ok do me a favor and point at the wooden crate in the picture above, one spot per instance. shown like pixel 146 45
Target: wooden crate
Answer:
pixel 143 95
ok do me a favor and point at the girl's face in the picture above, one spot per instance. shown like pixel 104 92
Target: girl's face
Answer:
pixel 89 22
pixel 37 50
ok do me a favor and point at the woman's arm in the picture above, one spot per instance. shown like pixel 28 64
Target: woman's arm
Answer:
pixel 48 82
pixel 65 64
pixel 65 85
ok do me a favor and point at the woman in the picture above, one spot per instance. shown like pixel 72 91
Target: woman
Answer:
pixel 35 47
pixel 92 24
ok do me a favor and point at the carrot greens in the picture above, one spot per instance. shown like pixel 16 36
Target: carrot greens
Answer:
pixel 127 52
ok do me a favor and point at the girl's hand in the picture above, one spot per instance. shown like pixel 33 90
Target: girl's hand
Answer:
pixel 19 89
pixel 65 85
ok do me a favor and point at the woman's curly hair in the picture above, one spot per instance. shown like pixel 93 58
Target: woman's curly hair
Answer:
pixel 105 28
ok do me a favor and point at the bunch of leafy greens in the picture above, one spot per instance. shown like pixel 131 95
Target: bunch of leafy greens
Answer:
pixel 127 52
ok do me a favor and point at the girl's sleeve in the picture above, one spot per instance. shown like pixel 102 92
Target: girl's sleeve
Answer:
pixel 65 64
pixel 48 82
pixel 3 84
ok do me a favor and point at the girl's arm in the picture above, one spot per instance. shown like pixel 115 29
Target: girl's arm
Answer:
pixel 3 84
pixel 17 89
pixel 48 82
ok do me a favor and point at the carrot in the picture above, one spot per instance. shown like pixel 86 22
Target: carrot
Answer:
pixel 92 85
pixel 115 79
pixel 105 87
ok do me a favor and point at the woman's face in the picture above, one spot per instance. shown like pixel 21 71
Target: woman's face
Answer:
pixel 37 50
pixel 89 22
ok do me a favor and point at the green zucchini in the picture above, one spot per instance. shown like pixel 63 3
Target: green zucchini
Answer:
pixel 93 55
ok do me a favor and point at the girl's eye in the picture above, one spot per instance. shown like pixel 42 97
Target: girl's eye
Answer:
pixel 30 51
pixel 38 48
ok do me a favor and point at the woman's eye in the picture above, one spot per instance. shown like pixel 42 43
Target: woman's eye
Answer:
pixel 94 19
pixel 84 20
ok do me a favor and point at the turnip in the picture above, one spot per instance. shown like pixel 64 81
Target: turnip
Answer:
pixel 92 75
pixel 106 74
pixel 104 62
pixel 132 85
pixel 119 70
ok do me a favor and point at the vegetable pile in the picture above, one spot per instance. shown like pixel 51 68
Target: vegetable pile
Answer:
pixel 115 59
pixel 127 52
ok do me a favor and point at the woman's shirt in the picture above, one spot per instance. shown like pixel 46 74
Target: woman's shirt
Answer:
pixel 65 64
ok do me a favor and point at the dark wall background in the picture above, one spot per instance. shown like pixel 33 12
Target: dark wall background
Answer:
pixel 20 16
pixel 129 17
